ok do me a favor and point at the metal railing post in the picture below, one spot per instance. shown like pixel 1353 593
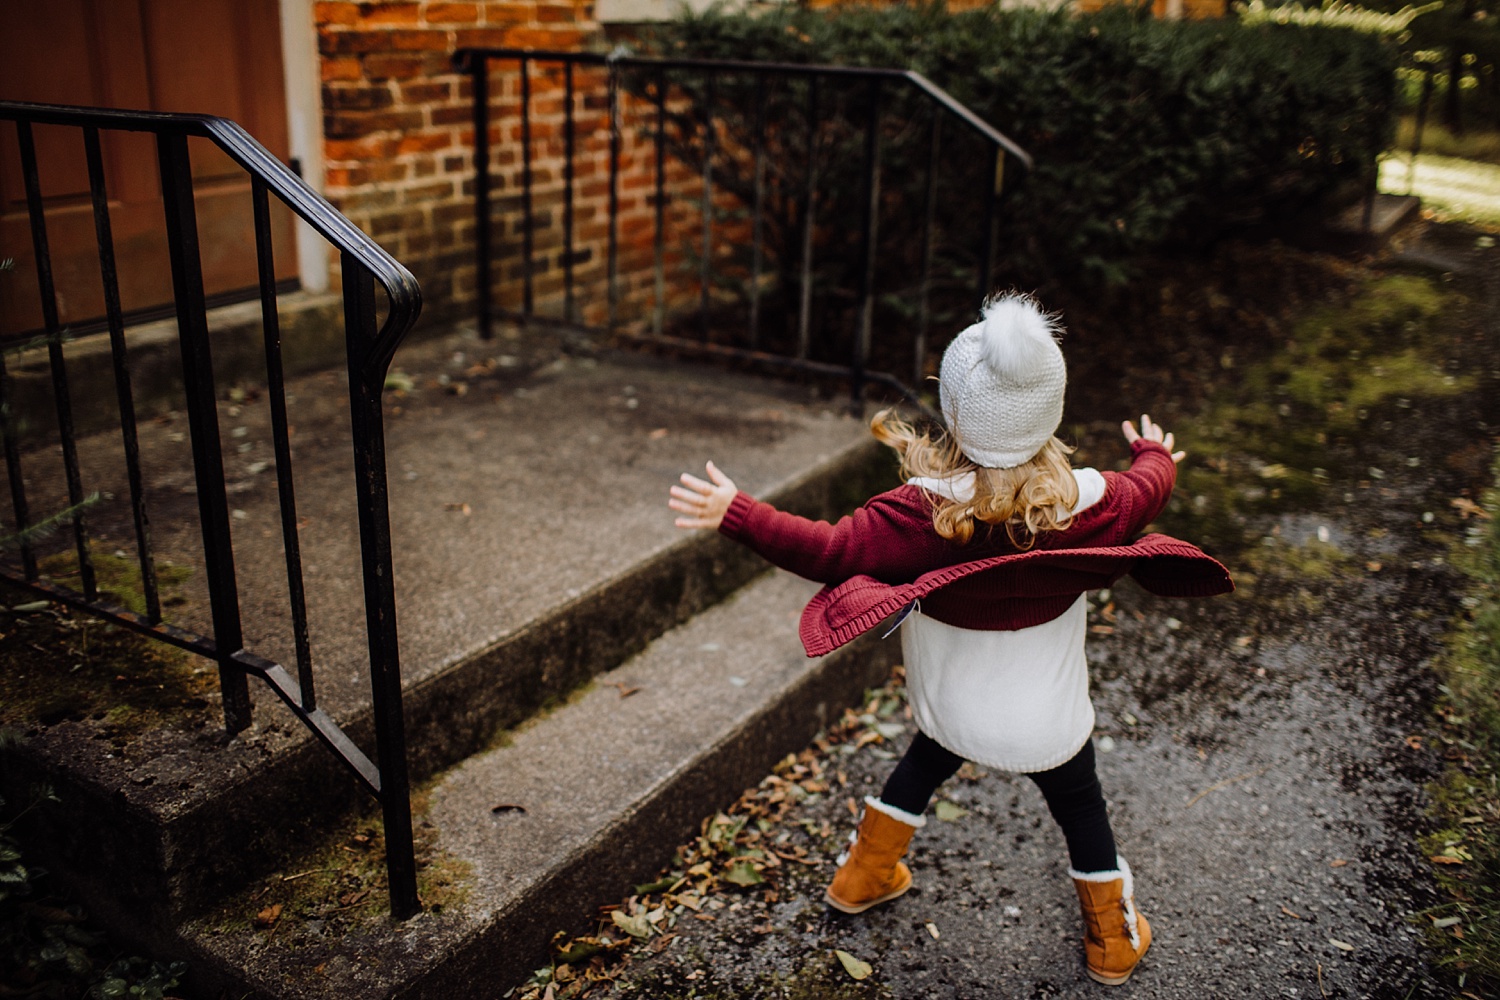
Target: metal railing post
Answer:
pixel 203 422
pixel 114 316
pixel 483 289
pixel 366 380
pixel 62 397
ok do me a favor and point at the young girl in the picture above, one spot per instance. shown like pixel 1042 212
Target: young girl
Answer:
pixel 987 550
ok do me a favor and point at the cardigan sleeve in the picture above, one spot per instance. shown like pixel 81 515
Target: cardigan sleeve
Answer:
pixel 888 538
pixel 1142 491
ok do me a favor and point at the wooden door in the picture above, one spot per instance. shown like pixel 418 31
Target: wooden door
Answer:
pixel 219 57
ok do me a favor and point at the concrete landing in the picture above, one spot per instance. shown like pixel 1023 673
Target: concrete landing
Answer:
pixel 1365 226
pixel 609 785
pixel 533 550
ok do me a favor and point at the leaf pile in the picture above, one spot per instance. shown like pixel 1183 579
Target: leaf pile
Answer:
pixel 744 852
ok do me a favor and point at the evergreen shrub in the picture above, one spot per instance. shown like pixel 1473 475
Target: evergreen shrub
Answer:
pixel 1148 135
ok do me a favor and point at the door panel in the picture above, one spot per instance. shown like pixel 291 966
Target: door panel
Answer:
pixel 218 57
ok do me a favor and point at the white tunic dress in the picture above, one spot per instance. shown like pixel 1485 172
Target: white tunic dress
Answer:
pixel 1015 700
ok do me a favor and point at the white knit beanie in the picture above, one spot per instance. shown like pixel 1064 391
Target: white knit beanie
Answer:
pixel 1001 383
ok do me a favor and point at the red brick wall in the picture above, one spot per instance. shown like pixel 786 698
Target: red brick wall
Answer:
pixel 398 144
pixel 398 150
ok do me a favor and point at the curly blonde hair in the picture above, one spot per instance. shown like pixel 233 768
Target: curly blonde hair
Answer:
pixel 1036 496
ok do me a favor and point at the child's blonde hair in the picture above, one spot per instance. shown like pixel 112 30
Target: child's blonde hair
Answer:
pixel 1036 496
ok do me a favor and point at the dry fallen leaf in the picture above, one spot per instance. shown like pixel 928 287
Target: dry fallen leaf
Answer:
pixel 743 873
pixel 1294 916
pixel 1341 945
pixel 1415 742
pixel 949 812
pixel 268 917
pixel 625 690
pixel 852 965
pixel 1468 508
pixel 657 434
pixel 1337 863
pixel 462 508
pixel 636 926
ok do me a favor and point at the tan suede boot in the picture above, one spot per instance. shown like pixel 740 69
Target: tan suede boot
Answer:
pixel 872 871
pixel 1115 936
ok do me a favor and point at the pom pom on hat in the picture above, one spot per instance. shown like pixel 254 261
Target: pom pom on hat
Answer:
pixel 1002 382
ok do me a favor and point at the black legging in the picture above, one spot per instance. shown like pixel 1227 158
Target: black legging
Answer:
pixel 1072 792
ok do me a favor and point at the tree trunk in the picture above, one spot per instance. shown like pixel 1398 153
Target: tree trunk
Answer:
pixel 1452 109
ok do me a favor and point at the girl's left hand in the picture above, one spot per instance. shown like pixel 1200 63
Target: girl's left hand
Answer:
pixel 704 503
pixel 1152 432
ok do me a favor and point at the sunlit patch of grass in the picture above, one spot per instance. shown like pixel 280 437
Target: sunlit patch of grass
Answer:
pixel 1455 188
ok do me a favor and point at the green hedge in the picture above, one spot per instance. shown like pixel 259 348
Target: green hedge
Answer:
pixel 1147 134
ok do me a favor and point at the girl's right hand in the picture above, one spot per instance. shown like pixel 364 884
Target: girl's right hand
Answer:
pixel 702 504
pixel 1151 432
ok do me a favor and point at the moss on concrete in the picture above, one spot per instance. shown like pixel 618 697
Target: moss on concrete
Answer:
pixel 57 664
pixel 339 884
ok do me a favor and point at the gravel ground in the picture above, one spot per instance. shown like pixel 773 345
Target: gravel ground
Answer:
pixel 1263 754
pixel 1270 832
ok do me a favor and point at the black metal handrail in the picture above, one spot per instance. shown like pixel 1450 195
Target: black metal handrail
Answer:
pixel 370 346
pixel 477 62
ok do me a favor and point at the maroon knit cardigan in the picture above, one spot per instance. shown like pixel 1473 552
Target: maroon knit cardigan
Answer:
pixel 887 554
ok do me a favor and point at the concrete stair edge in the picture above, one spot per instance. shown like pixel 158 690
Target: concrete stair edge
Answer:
pixel 486 956
pixel 132 862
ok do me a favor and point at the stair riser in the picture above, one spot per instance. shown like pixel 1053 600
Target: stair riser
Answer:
pixel 638 845
pixel 631 849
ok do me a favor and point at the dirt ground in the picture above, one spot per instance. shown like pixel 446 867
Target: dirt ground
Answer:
pixel 1264 754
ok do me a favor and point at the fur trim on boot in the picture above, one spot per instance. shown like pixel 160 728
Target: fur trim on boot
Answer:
pixel 1115 936
pixel 872 871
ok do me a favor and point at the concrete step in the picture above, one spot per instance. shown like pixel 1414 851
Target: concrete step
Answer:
pixel 312 332
pixel 533 550
pixel 610 784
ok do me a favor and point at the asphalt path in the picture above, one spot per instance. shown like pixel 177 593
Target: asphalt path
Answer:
pixel 1264 756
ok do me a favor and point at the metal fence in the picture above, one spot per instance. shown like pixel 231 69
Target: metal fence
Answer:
pixel 370 346
pixel 815 128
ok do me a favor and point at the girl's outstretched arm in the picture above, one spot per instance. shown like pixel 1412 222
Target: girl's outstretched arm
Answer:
pixel 1147 486
pixel 889 537
pixel 703 504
